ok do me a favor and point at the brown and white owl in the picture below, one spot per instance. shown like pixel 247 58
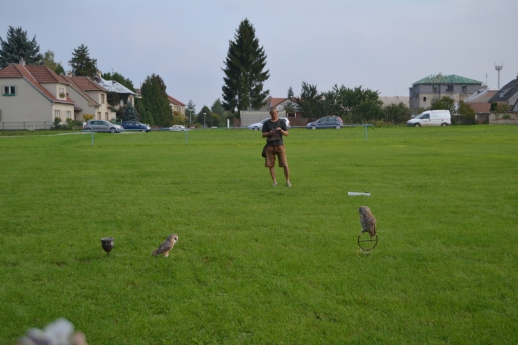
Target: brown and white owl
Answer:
pixel 166 247
pixel 368 221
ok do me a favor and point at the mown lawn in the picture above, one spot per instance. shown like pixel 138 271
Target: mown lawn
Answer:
pixel 257 264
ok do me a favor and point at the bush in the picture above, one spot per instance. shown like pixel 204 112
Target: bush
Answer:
pixel 178 120
pixel 56 124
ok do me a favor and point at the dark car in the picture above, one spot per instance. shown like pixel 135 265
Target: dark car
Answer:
pixel 326 122
pixel 135 126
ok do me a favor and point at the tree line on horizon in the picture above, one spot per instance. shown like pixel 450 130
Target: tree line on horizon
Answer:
pixel 243 87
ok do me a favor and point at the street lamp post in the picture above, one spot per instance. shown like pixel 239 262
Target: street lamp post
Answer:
pixel 190 115
pixel 204 125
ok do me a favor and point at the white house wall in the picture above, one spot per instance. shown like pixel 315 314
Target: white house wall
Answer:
pixel 53 88
pixel 28 104
pixel 81 102
pixel 102 109
pixel 252 116
pixel 63 108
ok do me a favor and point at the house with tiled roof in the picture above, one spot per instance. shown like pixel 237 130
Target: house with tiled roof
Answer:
pixel 176 106
pixel 423 91
pixel 286 107
pixel 33 96
pixel 97 98
pixel 89 97
pixel 507 94
pixel 479 103
pixel 118 94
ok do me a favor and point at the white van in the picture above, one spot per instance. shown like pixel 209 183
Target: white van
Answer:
pixel 431 118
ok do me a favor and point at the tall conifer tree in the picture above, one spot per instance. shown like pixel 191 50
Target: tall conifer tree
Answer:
pixel 130 113
pixel 155 101
pixel 244 71
pixel 17 46
pixel 82 64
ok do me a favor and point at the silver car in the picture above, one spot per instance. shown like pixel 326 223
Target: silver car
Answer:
pixel 102 126
pixel 177 128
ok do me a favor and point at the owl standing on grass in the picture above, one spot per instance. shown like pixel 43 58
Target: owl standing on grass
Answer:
pixel 368 221
pixel 166 247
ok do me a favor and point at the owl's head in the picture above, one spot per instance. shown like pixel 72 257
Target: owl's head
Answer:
pixel 364 210
pixel 173 238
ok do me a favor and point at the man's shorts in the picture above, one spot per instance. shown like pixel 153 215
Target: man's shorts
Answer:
pixel 271 151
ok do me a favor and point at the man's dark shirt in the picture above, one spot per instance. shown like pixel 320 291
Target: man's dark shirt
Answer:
pixel 276 139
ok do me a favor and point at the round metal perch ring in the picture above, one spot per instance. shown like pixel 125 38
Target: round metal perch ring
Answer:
pixel 367 243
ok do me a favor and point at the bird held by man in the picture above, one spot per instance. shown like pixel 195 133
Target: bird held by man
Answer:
pixel 368 221
pixel 166 246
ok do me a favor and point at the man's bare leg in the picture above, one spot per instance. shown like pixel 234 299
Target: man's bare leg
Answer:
pixel 287 174
pixel 272 174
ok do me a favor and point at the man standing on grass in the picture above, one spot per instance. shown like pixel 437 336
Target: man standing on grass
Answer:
pixel 273 130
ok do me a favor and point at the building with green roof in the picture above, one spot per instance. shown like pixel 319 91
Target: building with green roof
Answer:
pixel 436 86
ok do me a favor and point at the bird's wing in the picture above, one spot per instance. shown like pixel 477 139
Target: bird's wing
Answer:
pixel 164 247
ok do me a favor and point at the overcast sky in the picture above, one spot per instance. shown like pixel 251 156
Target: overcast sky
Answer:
pixel 383 45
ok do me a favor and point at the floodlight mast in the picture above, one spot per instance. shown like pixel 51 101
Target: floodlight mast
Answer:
pixel 190 115
pixel 499 68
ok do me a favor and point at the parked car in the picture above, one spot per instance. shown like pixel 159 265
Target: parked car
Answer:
pixel 431 118
pixel 177 128
pixel 326 122
pixel 135 126
pixel 102 126
pixel 259 125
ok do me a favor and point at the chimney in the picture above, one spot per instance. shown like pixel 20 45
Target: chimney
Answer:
pixel 22 62
pixel 99 74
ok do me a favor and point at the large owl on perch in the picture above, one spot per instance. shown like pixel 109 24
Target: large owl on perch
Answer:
pixel 368 221
pixel 166 247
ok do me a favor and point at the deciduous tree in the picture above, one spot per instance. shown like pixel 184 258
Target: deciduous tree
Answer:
pixel 310 101
pixel 397 113
pixel 244 71
pixel 444 103
pixel 17 46
pixel 368 111
pixel 500 108
pixel 48 60
pixel 217 107
pixel 466 112
pixel 119 78
pixel 205 119
pixel 348 99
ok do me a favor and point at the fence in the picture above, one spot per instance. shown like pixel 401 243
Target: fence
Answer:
pixel 26 125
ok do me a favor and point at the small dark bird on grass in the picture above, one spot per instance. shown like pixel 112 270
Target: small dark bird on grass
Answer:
pixel 368 221
pixel 166 247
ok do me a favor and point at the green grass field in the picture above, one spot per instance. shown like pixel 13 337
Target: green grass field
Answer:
pixel 257 264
